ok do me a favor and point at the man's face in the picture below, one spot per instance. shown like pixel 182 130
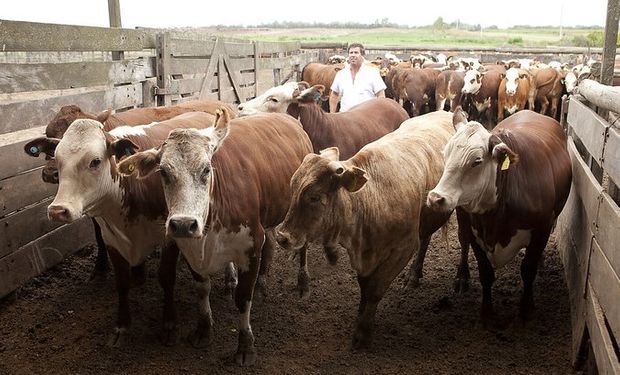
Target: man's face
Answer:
pixel 355 56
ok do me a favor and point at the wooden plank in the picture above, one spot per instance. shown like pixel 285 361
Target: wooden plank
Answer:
pixel 233 76
pixel 210 70
pixel 33 36
pixel 163 67
pixel 184 47
pixel 608 235
pixel 42 254
pixel 611 155
pixel 195 65
pixel 14 159
pixel 239 49
pixel 600 95
pixel 23 190
pixel 279 47
pixel 585 185
pixel 15 116
pixel 602 344
pixel 588 126
pixel 605 282
pixel 17 229
pixel 37 77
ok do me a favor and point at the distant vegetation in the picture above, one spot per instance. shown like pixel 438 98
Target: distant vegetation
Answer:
pixel 439 33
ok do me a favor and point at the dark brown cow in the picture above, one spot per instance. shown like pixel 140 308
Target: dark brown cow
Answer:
pixel 448 89
pixel 129 211
pixel 226 188
pixel 480 90
pixel 417 90
pixel 513 182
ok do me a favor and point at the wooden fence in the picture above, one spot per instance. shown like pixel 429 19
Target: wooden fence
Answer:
pixel 46 66
pixel 588 236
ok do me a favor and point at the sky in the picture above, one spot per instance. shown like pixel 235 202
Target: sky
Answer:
pixel 195 13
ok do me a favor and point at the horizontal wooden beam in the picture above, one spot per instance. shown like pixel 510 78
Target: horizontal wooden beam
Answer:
pixel 23 190
pixel 14 159
pixel 602 343
pixel 588 126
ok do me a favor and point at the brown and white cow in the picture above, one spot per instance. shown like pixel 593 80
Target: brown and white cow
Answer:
pixel 448 89
pixel 417 90
pixel 226 187
pixel 513 92
pixel 480 90
pixel 372 204
pixel 129 211
pixel 513 182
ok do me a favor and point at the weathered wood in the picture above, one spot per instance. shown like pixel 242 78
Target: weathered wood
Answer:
pixel 15 116
pixel 33 36
pixel 603 96
pixel 611 39
pixel 42 254
pixel 193 48
pixel 278 47
pixel 233 76
pixel 148 92
pixel 14 159
pixel 23 190
pixel 606 284
pixel 589 127
pixel 163 67
pixel 194 66
pixel 602 344
pixel 608 235
pixel 210 70
pixel 17 229
pixel 611 155
pixel 38 77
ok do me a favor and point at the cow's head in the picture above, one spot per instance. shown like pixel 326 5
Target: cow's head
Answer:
pixel 276 99
pixel 417 61
pixel 86 158
pixel 513 76
pixel 184 163
pixel 315 189
pixel 570 82
pixel 472 81
pixel 309 95
pixel 473 157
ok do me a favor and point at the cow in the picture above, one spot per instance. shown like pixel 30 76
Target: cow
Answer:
pixel 448 89
pixel 129 211
pixel 137 116
pixel 480 90
pixel 513 92
pixel 337 59
pixel 546 88
pixel 416 90
pixel 513 182
pixel 371 205
pixel 226 188
pixel 321 74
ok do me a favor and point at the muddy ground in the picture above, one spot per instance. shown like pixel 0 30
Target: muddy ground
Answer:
pixel 59 322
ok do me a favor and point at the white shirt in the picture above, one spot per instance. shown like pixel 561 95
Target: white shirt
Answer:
pixel 367 84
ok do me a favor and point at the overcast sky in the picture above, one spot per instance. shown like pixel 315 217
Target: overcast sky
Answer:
pixel 177 13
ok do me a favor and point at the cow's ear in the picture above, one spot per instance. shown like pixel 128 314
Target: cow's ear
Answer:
pixel 502 75
pixel 331 153
pixel 353 179
pixel 103 116
pixel 459 118
pixel 313 94
pixel 220 127
pixel 121 148
pixel 503 155
pixel 41 145
pixel 144 163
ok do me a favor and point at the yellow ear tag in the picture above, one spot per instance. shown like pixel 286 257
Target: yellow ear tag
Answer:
pixel 130 168
pixel 506 163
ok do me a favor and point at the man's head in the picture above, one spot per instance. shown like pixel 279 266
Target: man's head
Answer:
pixel 356 54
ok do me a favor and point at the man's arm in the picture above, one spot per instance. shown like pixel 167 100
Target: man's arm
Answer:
pixel 380 94
pixel 334 98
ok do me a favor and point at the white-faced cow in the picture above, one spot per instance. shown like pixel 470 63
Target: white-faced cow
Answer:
pixel 480 95
pixel 513 92
pixel 513 182
pixel 226 187
pixel 372 204
pixel 129 211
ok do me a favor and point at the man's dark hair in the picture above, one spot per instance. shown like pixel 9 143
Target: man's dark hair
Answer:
pixel 353 45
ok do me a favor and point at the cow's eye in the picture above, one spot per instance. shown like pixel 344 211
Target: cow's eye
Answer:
pixel 94 164
pixel 165 176
pixel 314 198
pixel 205 173
pixel 476 162
pixel 273 100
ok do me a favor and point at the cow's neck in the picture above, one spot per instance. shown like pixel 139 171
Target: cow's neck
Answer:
pixel 317 124
pixel 486 198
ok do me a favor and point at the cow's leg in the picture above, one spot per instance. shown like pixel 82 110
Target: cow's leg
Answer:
pixel 122 276
pixel 331 254
pixel 230 279
pixel 500 112
pixel 102 267
pixel 487 277
pixel 529 267
pixel 203 334
pixel 246 352
pixel 461 282
pixel 303 276
pixel 138 274
pixel 265 264
pixel 372 289
pixel 167 279
pixel 544 104
pixel 554 108
pixel 416 270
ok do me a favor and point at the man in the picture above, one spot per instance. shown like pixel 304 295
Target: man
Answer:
pixel 356 83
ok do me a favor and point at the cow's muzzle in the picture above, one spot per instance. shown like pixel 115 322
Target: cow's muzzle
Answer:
pixel 437 201
pixel 183 227
pixel 59 213
pixel 287 241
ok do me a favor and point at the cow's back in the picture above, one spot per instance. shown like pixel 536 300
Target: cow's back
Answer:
pixel 254 165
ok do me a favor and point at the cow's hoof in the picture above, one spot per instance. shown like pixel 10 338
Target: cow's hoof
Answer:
pixel 246 357
pixel 201 338
pixel 303 284
pixel 412 282
pixel 170 334
pixel 331 254
pixel 260 291
pixel 361 340
pixel 99 275
pixel 118 338
pixel 461 286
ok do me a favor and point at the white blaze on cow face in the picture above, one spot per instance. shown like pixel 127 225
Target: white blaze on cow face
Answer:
pixel 85 175
pixel 468 179
pixel 276 99
pixel 512 81
pixel 570 81
pixel 472 82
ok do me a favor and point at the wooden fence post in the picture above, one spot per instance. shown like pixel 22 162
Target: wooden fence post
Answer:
pixel 114 12
pixel 163 66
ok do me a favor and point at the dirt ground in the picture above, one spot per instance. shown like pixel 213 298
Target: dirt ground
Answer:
pixel 59 322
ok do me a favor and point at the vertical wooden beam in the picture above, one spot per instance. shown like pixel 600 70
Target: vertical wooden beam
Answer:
pixel 163 68
pixel 256 58
pixel 611 37
pixel 114 12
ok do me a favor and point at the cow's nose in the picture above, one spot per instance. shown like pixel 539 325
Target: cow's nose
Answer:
pixel 435 200
pixel 183 227
pixel 58 213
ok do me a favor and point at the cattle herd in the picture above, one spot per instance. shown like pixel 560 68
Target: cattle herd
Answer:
pixel 221 185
